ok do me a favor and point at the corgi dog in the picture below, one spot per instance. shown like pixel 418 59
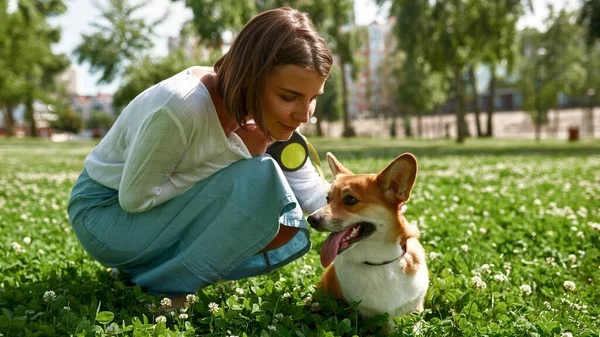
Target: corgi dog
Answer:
pixel 377 258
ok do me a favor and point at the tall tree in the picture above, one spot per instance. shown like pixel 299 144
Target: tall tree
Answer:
pixel 212 18
pixel 590 18
pixel 553 64
pixel 147 71
pixel 329 106
pixel 120 37
pixel 28 65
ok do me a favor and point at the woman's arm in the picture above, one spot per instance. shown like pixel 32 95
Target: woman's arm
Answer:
pixel 310 189
pixel 152 156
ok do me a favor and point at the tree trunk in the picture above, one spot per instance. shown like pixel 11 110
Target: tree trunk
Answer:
pixel 491 103
pixel 30 117
pixel 348 129
pixel 319 115
pixel 460 105
pixel 475 103
pixel 9 121
pixel 420 126
pixel 590 121
pixel 556 122
pixel 407 125
pixel 393 132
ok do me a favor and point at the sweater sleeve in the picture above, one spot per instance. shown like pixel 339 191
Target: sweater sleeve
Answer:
pixel 151 158
pixel 310 189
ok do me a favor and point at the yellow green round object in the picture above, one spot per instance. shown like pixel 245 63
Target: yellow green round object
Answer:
pixel 293 155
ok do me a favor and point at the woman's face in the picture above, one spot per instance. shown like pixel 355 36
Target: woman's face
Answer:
pixel 289 99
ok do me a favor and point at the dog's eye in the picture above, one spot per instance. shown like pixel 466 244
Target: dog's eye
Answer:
pixel 327 199
pixel 350 200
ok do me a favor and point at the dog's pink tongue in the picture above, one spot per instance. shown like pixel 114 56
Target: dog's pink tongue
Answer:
pixel 331 246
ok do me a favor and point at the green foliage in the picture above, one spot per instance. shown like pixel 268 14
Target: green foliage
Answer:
pixel 118 39
pixel 329 105
pixel 590 18
pixel 507 212
pixel 28 67
pixel 148 71
pixel 559 69
pixel 214 17
pixel 100 120
pixel 68 121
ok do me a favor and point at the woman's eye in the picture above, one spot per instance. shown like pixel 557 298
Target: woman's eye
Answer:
pixel 350 200
pixel 288 98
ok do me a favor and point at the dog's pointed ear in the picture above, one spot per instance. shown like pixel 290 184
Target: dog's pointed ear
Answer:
pixel 398 178
pixel 335 166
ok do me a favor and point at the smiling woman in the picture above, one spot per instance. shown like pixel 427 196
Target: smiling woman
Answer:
pixel 180 194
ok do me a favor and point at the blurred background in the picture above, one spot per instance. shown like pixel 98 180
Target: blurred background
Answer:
pixel 526 69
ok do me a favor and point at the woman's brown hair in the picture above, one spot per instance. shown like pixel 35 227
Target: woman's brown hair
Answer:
pixel 282 36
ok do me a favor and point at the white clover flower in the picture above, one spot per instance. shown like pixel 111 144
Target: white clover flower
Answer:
pixel 183 316
pixel 287 295
pixel 111 330
pixel 66 308
pixel 213 307
pixel 272 327
pixel 161 319
pixel 465 248
pixel 166 302
pixel 572 258
pixel 41 252
pixel 566 334
pixel 27 240
pixel 239 291
pixel 433 255
pixel 486 269
pixel 315 307
pixel 580 235
pixel 478 282
pixel 191 298
pixel 282 279
pixel 500 278
pixel 308 299
pixel 16 247
pixel 279 316
pixel 526 289
pixel 507 266
pixel 482 231
pixel 569 285
pixel 537 202
pixel 49 296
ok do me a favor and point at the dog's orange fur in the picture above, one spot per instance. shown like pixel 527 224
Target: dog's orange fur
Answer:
pixel 330 284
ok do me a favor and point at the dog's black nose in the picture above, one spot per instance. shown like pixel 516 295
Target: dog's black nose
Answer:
pixel 315 221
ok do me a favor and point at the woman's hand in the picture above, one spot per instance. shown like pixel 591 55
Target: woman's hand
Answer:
pixel 254 138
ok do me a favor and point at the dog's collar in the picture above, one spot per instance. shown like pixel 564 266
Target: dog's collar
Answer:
pixel 376 264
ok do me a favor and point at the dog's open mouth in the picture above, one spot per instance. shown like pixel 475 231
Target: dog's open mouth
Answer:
pixel 338 242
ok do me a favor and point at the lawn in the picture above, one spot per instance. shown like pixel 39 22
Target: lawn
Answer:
pixel 511 230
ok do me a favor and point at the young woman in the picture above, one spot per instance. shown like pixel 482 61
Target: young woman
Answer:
pixel 180 194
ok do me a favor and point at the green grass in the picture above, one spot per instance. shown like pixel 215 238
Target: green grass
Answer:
pixel 504 214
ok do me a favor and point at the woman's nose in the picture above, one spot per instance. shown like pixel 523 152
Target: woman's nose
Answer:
pixel 303 112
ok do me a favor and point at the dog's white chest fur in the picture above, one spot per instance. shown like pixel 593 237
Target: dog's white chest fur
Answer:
pixel 381 289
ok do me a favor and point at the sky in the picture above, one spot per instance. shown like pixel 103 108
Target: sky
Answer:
pixel 81 13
